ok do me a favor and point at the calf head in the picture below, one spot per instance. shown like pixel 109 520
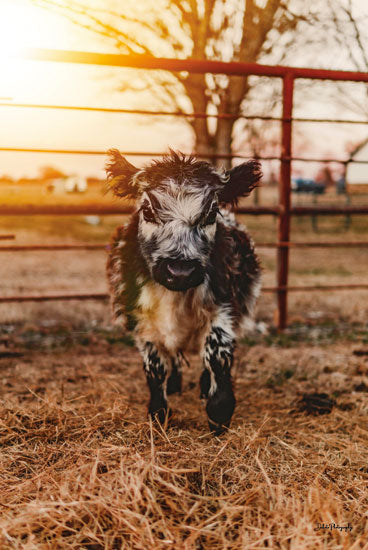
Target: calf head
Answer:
pixel 178 200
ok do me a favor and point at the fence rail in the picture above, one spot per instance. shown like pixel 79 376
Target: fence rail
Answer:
pixel 234 68
pixel 98 246
pixel 283 211
pixel 105 296
pixel 107 210
pixel 214 156
pixel 178 113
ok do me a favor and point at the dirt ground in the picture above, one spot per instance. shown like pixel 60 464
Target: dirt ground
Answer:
pixel 82 467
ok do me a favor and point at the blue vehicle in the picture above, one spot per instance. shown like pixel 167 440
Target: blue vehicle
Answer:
pixel 303 185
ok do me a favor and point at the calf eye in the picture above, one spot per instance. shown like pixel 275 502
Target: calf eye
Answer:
pixel 148 215
pixel 211 217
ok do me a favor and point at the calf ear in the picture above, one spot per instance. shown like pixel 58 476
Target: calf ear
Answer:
pixel 241 180
pixel 120 174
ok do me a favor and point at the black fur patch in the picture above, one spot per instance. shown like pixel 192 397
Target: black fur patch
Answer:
pixel 220 406
pixel 119 175
pixel 174 382
pixel 125 263
pixel 234 269
pixel 242 180
pixel 183 169
pixel 205 383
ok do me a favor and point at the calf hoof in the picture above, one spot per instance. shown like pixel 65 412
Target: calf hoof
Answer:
pixel 157 408
pixel 163 415
pixel 220 408
pixel 218 429
pixel 174 383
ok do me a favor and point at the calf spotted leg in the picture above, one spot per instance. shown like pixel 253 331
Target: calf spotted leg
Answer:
pixel 155 368
pixel 215 382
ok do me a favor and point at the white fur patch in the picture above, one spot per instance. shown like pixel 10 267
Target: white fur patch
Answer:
pixel 224 321
pixel 139 181
pixel 178 231
pixel 146 229
pixel 210 230
pixel 247 323
pixel 183 204
pixel 228 218
pixel 177 238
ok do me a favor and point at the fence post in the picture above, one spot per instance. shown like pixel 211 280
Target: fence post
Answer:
pixel 284 200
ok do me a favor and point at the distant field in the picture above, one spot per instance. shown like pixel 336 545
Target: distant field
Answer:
pixel 38 193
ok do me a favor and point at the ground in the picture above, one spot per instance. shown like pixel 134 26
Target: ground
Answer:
pixel 81 466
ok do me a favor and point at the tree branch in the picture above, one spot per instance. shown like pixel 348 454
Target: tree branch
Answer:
pixel 349 13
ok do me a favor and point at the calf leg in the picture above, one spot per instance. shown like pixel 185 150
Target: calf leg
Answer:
pixel 215 382
pixel 155 368
pixel 174 381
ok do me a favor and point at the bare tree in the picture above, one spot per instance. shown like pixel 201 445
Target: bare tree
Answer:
pixel 349 31
pixel 237 30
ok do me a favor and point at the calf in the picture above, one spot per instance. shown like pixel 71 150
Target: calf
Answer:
pixel 183 274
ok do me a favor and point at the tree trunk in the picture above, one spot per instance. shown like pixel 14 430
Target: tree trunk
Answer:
pixel 223 141
pixel 204 143
pixel 209 146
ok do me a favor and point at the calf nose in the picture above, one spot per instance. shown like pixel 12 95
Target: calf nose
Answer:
pixel 178 274
pixel 181 268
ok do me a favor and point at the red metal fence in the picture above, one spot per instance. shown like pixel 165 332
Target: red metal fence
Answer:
pixel 284 210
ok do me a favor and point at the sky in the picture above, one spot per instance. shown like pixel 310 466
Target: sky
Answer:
pixel 22 24
pixel 37 82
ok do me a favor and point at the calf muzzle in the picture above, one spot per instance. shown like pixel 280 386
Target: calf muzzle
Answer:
pixel 177 274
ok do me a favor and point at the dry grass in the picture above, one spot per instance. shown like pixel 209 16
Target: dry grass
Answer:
pixel 36 193
pixel 82 468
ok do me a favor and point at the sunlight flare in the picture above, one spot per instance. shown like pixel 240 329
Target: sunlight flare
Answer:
pixel 22 26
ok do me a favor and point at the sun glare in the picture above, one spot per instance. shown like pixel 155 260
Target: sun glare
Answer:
pixel 23 25
pixel 13 30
